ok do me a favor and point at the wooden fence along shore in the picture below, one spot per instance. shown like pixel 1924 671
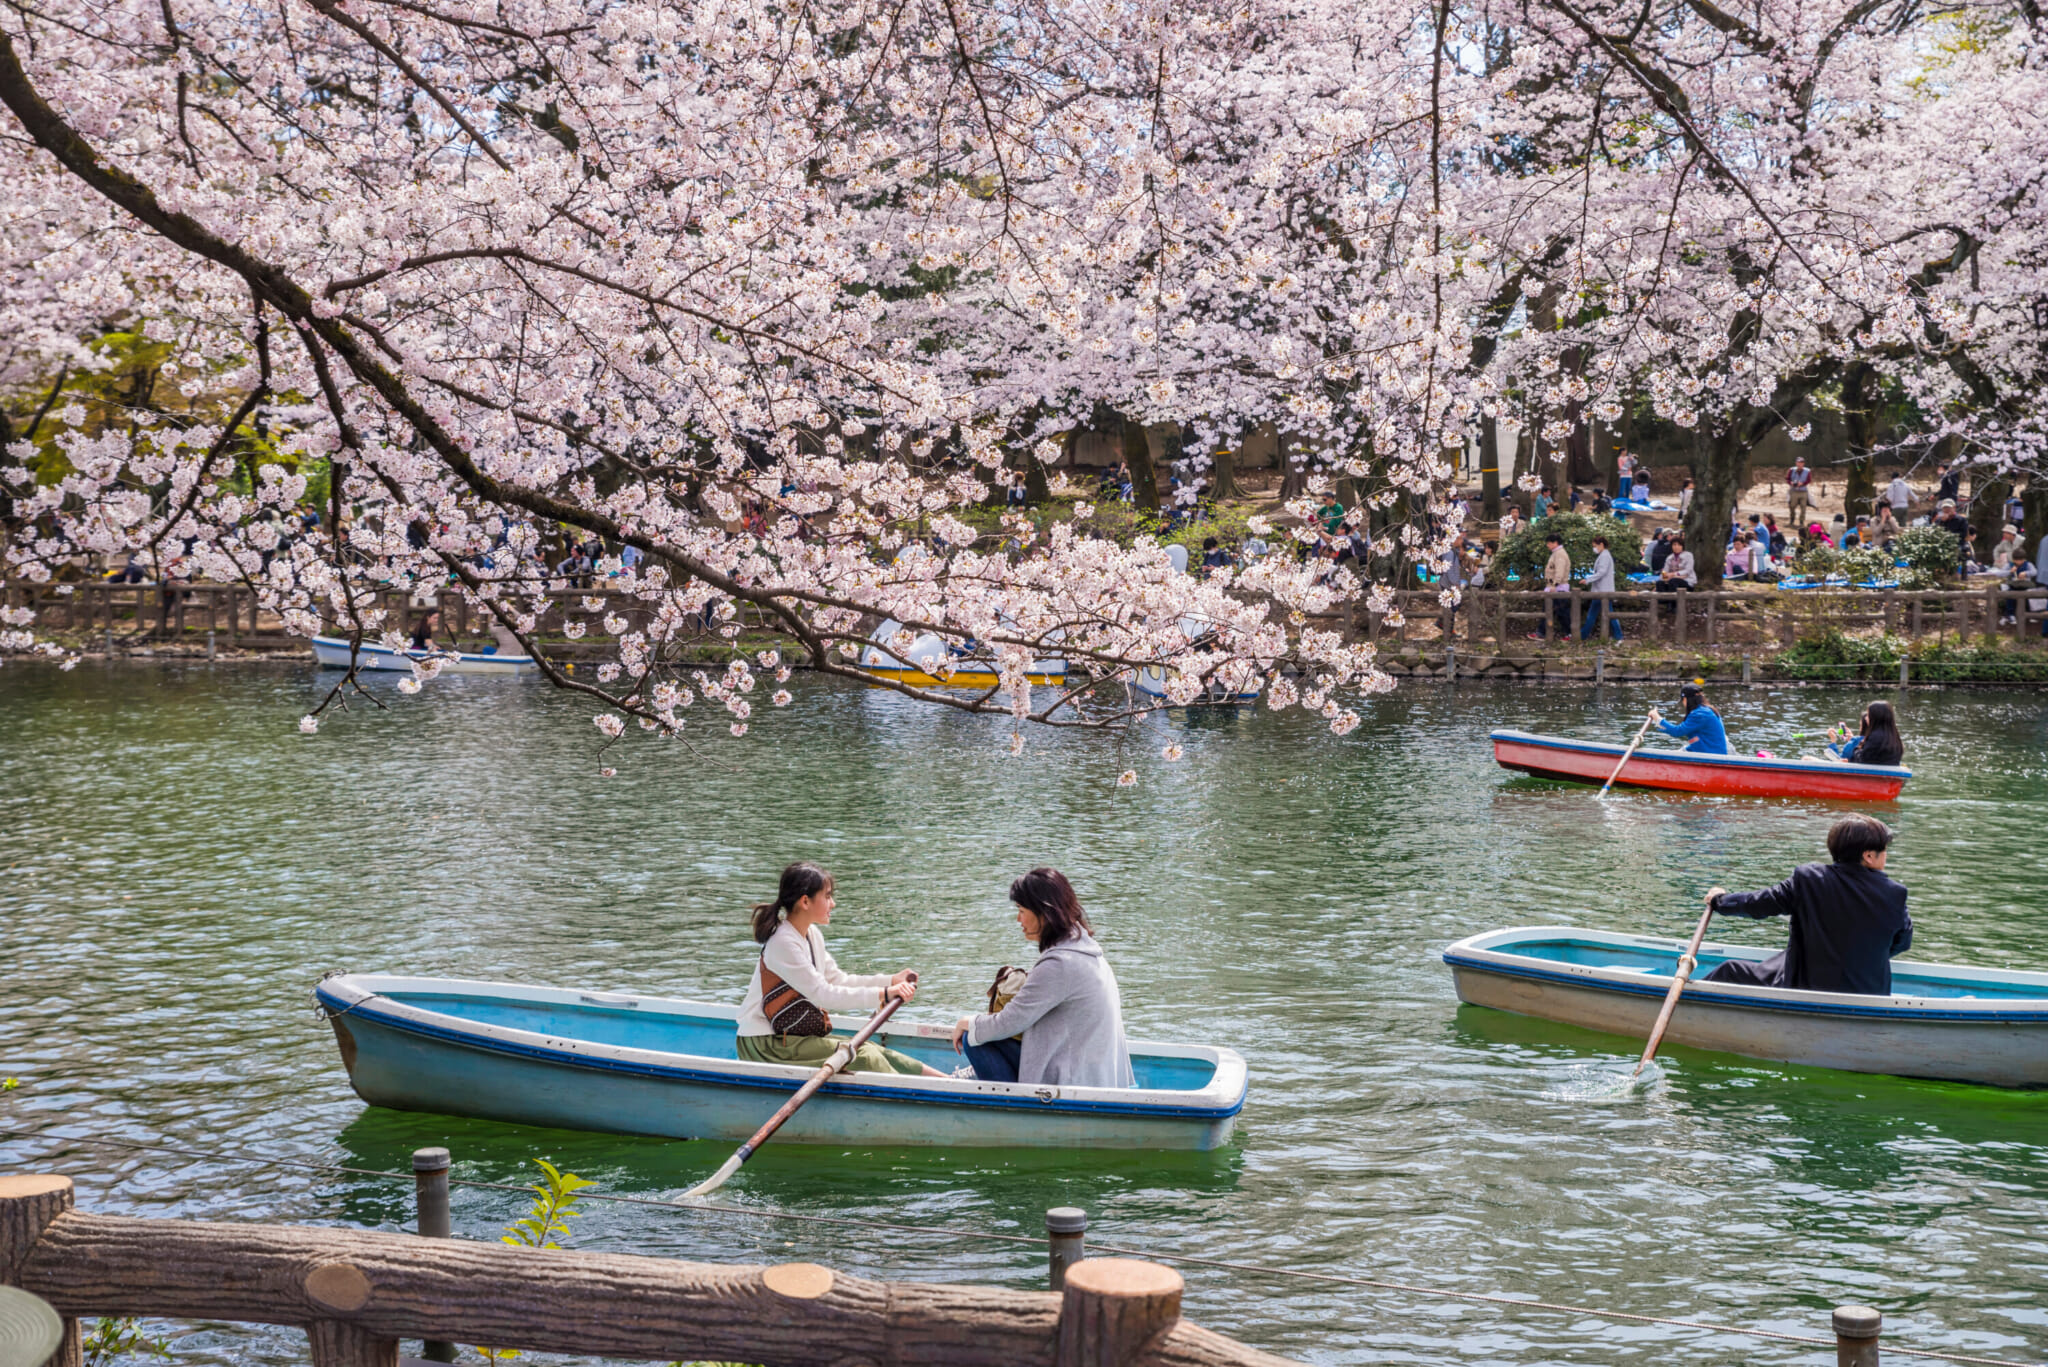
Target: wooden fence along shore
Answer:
pixel 357 1294
pixel 1488 632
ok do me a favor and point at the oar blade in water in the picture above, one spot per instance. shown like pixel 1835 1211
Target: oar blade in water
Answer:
pixel 717 1179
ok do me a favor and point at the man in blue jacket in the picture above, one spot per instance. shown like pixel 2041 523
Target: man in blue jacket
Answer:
pixel 1699 726
pixel 1848 919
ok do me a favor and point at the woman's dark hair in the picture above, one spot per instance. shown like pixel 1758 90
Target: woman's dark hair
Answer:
pixel 799 880
pixel 1047 894
pixel 1882 743
pixel 1692 695
pixel 1854 836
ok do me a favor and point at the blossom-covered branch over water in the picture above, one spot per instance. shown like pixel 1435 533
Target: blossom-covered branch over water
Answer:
pixel 765 297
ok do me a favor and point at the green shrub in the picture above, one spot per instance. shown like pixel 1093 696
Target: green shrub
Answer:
pixel 1929 550
pixel 1834 654
pixel 1525 551
pixel 1990 662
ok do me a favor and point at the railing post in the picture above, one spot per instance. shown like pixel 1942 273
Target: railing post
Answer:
pixel 1112 1307
pixel 1745 669
pixel 29 1204
pixel 1451 662
pixel 1856 1331
pixel 1678 617
pixel 430 1185
pixel 1600 658
pixel 1066 1237
pixel 1905 672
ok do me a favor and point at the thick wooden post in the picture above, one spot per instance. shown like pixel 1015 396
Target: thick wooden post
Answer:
pixel 1112 1307
pixel 430 1181
pixel 1856 1331
pixel 1678 617
pixel 29 1203
pixel 1066 1234
pixel 339 1344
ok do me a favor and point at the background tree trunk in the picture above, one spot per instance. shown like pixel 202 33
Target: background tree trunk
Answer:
pixel 1525 461
pixel 1720 468
pixel 1223 466
pixel 2036 501
pixel 1138 458
pixel 1988 494
pixel 1293 478
pixel 1489 470
pixel 1859 423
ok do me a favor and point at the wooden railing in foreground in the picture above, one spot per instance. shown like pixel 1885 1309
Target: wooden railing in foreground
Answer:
pixel 357 1293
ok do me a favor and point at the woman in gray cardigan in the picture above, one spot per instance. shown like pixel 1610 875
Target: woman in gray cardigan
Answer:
pixel 1069 1012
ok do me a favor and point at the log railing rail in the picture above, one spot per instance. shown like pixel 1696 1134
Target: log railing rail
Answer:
pixel 357 1293
pixel 1506 618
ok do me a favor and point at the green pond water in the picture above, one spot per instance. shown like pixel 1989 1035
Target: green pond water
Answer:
pixel 181 866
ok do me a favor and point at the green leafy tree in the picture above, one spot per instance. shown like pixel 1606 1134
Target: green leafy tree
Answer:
pixel 1528 548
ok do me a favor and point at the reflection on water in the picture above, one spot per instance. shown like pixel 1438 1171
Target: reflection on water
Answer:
pixel 184 865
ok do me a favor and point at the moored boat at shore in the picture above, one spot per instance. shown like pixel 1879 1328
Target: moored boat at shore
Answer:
pixel 1687 771
pixel 332 652
pixel 1943 1021
pixel 631 1064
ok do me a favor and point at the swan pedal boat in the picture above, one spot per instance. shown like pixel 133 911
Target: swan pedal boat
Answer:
pixel 1944 1021
pixel 332 653
pixel 1686 771
pixel 915 664
pixel 624 1063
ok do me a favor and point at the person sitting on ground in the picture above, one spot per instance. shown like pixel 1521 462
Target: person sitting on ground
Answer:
pixel 1068 1012
pixel 1878 743
pixel 1679 571
pixel 1699 726
pixel 796 982
pixel 1848 919
pixel 1214 557
pixel 1736 565
pixel 1658 551
pixel 2002 554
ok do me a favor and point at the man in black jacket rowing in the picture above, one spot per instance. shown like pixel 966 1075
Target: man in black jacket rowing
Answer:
pixel 1848 919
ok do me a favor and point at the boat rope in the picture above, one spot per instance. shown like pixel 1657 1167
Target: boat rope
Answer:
pixel 1891 1347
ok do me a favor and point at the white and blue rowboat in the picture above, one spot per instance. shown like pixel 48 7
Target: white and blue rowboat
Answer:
pixel 1941 1021
pixel 630 1064
pixel 332 653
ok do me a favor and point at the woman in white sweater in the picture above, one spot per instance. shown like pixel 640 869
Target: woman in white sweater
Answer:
pixel 796 983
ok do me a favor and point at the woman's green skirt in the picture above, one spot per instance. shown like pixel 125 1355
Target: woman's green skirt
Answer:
pixel 815 1049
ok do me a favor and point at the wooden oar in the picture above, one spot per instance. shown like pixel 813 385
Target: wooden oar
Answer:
pixel 841 1056
pixel 1686 963
pixel 1643 731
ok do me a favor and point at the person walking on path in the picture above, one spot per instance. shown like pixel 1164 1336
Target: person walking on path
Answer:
pixel 1797 480
pixel 1848 920
pixel 1557 579
pixel 1601 582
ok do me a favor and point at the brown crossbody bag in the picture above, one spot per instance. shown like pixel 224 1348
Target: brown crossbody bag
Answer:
pixel 789 1011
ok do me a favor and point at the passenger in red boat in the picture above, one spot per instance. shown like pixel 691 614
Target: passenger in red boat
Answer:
pixel 1848 919
pixel 1879 741
pixel 1699 726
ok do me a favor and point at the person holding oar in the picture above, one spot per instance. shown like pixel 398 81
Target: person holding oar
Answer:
pixel 1848 920
pixel 796 982
pixel 1699 725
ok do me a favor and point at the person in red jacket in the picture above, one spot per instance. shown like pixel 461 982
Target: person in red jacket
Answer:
pixel 1848 920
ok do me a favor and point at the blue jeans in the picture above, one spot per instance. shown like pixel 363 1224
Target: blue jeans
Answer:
pixel 997 1060
pixel 1592 621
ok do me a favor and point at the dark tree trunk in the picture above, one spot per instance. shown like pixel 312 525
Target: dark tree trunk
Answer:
pixel 1859 423
pixel 1293 477
pixel 1138 458
pixel 1037 492
pixel 1720 468
pixel 1489 470
pixel 2036 501
pixel 1987 509
pixel 1525 462
pixel 1223 467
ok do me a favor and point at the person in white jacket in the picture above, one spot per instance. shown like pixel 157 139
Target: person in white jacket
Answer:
pixel 796 970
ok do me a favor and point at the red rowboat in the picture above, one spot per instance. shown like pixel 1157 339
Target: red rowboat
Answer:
pixel 1684 771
